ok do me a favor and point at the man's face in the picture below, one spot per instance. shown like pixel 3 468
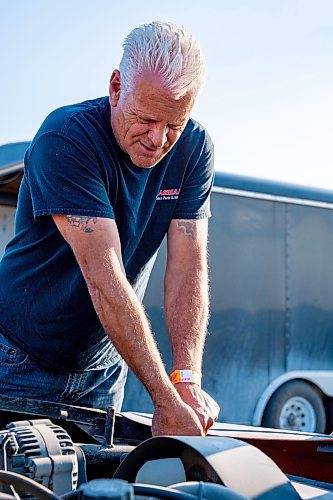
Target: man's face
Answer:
pixel 147 121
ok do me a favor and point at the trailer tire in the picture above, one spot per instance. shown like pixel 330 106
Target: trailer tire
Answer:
pixel 297 406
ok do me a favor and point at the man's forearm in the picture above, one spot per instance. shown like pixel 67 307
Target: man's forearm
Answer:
pixel 186 314
pixel 127 326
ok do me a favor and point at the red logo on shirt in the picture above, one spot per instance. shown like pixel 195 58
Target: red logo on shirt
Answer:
pixel 168 194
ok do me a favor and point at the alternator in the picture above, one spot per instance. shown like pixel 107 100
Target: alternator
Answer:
pixel 42 451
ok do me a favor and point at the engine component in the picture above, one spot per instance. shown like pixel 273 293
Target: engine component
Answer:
pixel 41 462
pixel 118 489
pixel 106 489
pixel 42 451
pixel 225 461
pixel 209 491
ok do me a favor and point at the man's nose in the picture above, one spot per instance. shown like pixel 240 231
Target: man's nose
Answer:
pixel 158 135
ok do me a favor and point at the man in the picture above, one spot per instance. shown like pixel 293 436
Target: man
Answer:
pixel 104 181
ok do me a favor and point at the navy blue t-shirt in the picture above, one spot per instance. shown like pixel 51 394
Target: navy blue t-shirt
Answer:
pixel 74 166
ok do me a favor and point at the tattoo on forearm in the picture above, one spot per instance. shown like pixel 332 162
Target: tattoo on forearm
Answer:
pixel 83 222
pixel 189 228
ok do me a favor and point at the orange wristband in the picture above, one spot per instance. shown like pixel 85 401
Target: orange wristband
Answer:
pixel 183 376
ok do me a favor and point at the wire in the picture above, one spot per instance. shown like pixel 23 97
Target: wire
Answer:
pixel 27 485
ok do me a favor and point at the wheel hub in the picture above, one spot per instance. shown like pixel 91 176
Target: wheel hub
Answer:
pixel 298 414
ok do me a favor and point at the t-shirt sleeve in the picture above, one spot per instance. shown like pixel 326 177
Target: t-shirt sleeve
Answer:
pixel 194 198
pixel 64 177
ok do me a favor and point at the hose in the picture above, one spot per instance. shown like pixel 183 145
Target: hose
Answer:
pixel 161 492
pixel 27 485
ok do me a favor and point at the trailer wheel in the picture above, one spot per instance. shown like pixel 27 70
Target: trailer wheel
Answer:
pixel 297 406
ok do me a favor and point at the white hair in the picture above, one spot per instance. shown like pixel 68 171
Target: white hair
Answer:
pixel 166 50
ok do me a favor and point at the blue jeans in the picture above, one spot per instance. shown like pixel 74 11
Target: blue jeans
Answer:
pixel 22 376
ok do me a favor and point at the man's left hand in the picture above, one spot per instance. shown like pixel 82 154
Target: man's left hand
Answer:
pixel 202 403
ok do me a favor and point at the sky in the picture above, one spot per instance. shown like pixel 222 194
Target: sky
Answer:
pixel 268 98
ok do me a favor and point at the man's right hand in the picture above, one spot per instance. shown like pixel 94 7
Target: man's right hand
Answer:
pixel 177 419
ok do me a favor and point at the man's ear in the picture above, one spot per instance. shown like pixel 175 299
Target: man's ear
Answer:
pixel 114 88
